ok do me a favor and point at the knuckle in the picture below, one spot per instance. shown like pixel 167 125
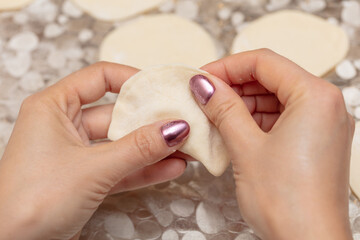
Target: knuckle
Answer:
pixel 222 112
pixel 145 144
pixel 146 176
pixel 333 94
pixel 30 102
pixel 266 51
pixel 331 99
pixel 101 64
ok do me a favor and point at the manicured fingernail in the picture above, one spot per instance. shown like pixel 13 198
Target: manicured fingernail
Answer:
pixel 174 132
pixel 202 88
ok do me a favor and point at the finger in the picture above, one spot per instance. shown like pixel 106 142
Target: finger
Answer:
pixel 249 88
pixel 89 85
pixel 142 147
pixel 276 73
pixel 93 82
pixel 225 109
pixel 262 103
pixel 183 156
pixel 266 120
pixel 96 121
pixel 77 236
pixel 163 171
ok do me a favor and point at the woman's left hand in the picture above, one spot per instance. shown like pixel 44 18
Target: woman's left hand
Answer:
pixel 52 178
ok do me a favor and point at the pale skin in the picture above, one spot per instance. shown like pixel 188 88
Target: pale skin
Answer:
pixel 291 174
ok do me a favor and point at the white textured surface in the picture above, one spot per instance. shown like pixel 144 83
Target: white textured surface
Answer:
pixel 197 184
pixel 351 96
pixel 164 217
pixel 351 13
pixel 71 10
pixel 53 30
pixel 182 207
pixel 187 9
pixel 24 41
pixel 193 235
pixel 170 235
pixel 119 225
pixel 209 218
pixel 277 4
pixel 346 70
pixel 313 5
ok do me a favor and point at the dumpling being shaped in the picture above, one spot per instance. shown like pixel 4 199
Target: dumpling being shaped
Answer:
pixel 163 92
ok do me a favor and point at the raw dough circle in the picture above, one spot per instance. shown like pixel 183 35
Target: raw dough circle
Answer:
pixel 308 40
pixel 162 93
pixel 159 39
pixel 13 4
pixel 113 10
pixel 355 162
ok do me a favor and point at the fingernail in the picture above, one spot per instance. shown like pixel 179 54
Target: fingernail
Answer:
pixel 174 132
pixel 202 88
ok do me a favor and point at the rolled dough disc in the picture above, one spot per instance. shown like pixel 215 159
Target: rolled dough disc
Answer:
pixel 161 93
pixel 159 39
pixel 13 4
pixel 307 40
pixel 355 162
pixel 113 10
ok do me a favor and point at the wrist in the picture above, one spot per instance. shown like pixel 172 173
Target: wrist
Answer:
pixel 18 221
pixel 17 225
pixel 308 220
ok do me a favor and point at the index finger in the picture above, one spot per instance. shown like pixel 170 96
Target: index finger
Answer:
pixel 277 74
pixel 91 83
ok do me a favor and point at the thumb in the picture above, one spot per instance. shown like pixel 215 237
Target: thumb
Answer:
pixel 225 109
pixel 142 147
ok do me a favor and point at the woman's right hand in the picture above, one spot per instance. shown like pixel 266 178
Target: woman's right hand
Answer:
pixel 291 156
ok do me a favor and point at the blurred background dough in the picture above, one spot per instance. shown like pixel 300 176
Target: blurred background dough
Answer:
pixel 159 39
pixel 295 34
pixel 112 10
pixel 13 4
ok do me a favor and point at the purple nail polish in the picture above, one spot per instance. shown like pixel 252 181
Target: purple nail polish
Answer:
pixel 174 132
pixel 202 88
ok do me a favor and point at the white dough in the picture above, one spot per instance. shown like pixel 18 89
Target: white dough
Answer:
pixel 13 4
pixel 355 162
pixel 308 40
pixel 113 10
pixel 159 39
pixel 161 93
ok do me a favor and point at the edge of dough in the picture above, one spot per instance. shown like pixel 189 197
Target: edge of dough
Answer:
pixel 115 19
pixel 355 162
pixel 22 5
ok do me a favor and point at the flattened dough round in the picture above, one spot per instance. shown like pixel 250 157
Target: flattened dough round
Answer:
pixel 113 10
pixel 13 4
pixel 161 93
pixel 355 162
pixel 159 39
pixel 308 40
